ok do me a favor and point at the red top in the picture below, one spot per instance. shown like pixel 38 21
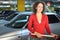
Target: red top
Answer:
pixel 38 27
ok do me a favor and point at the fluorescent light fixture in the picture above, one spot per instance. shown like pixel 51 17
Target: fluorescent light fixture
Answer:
pixel 9 2
pixel 6 2
pixel 4 5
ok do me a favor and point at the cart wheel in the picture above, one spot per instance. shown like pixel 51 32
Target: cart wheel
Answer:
pixel 19 37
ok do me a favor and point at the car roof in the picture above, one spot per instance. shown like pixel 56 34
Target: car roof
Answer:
pixel 47 13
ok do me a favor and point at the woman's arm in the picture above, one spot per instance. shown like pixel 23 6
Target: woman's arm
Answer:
pixel 47 25
pixel 30 21
pixel 49 31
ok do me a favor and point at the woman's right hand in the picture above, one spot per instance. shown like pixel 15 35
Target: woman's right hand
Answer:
pixel 38 34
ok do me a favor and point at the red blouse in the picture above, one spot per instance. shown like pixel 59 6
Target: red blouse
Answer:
pixel 38 27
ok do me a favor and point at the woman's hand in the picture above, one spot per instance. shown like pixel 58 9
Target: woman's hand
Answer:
pixel 54 35
pixel 38 34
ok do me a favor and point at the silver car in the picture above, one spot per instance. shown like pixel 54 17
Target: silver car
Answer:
pixel 54 23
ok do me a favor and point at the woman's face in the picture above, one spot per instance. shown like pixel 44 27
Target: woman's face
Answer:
pixel 39 7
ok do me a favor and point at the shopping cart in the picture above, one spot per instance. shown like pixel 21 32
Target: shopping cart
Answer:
pixel 47 37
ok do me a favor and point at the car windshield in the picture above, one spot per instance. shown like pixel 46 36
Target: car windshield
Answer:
pixel 53 19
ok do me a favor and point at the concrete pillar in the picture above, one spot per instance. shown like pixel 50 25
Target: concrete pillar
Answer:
pixel 21 5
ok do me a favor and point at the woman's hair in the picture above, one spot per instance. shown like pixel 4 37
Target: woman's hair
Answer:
pixel 36 4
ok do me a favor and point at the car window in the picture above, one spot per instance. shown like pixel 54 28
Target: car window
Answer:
pixel 22 17
pixel 53 19
pixel 21 21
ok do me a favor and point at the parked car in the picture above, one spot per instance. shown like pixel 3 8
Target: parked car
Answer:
pixel 54 23
pixel 7 14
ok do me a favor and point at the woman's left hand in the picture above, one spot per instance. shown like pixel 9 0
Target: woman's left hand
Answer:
pixel 54 35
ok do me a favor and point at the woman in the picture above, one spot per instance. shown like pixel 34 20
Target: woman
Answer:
pixel 39 21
